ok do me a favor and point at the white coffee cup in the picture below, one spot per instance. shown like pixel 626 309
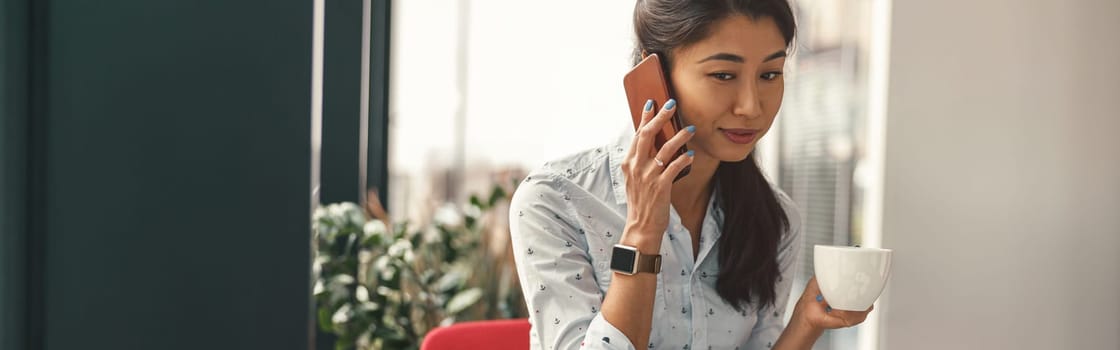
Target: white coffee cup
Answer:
pixel 851 278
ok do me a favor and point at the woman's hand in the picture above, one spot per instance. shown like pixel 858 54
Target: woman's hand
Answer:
pixel 814 312
pixel 649 178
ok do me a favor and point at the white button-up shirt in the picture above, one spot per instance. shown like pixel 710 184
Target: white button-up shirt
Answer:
pixel 566 217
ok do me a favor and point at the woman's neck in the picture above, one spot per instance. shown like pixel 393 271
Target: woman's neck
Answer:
pixel 691 193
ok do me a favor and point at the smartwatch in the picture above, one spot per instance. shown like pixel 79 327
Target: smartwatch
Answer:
pixel 628 260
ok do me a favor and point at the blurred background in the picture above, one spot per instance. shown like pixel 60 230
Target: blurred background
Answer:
pixel 197 175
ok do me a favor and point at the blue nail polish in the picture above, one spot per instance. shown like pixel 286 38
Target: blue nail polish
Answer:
pixel 649 105
pixel 691 128
pixel 672 103
pixel 819 297
pixel 691 153
pixel 827 309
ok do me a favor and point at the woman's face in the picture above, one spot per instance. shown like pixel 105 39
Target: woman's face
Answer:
pixel 729 85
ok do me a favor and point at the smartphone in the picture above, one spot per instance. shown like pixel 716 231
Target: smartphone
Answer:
pixel 646 81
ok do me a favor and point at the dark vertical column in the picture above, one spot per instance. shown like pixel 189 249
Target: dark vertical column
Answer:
pixel 156 163
pixel 377 173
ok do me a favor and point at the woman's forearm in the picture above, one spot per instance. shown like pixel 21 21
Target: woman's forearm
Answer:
pixel 798 335
pixel 628 305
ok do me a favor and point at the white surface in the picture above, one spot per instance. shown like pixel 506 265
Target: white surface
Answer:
pixel 1002 175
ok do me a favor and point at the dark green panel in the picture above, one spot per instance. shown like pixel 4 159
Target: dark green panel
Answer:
pixel 14 83
pixel 342 74
pixel 377 173
pixel 177 139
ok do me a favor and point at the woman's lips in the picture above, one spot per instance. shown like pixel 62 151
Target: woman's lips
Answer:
pixel 740 136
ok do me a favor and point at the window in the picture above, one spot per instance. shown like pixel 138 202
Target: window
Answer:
pixel 481 91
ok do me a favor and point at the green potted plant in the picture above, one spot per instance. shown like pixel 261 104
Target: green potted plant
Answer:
pixel 384 286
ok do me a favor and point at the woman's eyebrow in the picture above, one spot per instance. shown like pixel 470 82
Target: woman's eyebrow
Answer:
pixel 775 55
pixel 723 56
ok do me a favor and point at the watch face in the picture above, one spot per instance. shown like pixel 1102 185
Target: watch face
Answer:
pixel 623 259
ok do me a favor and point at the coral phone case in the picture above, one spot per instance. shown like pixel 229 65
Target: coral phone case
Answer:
pixel 647 81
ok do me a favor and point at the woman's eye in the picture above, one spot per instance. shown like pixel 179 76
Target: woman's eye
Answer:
pixel 771 75
pixel 722 76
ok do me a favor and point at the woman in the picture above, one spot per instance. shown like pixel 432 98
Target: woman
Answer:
pixel 588 229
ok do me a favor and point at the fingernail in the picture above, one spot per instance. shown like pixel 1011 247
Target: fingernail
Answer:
pixel 672 103
pixel 691 128
pixel 691 153
pixel 819 297
pixel 827 309
pixel 649 105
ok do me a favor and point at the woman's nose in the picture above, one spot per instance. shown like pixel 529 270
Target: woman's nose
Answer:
pixel 747 104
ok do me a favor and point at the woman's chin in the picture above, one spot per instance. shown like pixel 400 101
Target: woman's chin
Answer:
pixel 736 156
pixel 732 152
pixel 727 153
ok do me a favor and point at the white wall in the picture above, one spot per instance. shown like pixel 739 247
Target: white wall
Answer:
pixel 1002 175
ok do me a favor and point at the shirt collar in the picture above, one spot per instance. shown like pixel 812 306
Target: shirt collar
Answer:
pixel 616 154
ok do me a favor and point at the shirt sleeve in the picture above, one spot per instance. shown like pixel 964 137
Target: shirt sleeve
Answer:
pixel 771 318
pixel 556 271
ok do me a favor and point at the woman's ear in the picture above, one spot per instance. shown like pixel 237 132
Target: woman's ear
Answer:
pixel 644 54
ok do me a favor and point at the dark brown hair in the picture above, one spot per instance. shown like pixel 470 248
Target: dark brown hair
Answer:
pixel 754 220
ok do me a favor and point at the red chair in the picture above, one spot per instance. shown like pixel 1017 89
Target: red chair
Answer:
pixel 497 335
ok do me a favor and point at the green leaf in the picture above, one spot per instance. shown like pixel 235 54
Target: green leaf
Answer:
pixel 497 194
pixel 393 282
pixel 325 320
pixel 416 240
pixel 368 307
pixel 341 279
pixel 351 242
pixel 400 230
pixel 453 279
pixel 340 318
pixel 475 201
pixel 371 241
pixel 392 338
pixel 427 276
pixel 463 300
pixel 339 288
pixel 343 344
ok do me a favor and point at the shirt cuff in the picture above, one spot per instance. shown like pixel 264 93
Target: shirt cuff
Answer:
pixel 603 335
